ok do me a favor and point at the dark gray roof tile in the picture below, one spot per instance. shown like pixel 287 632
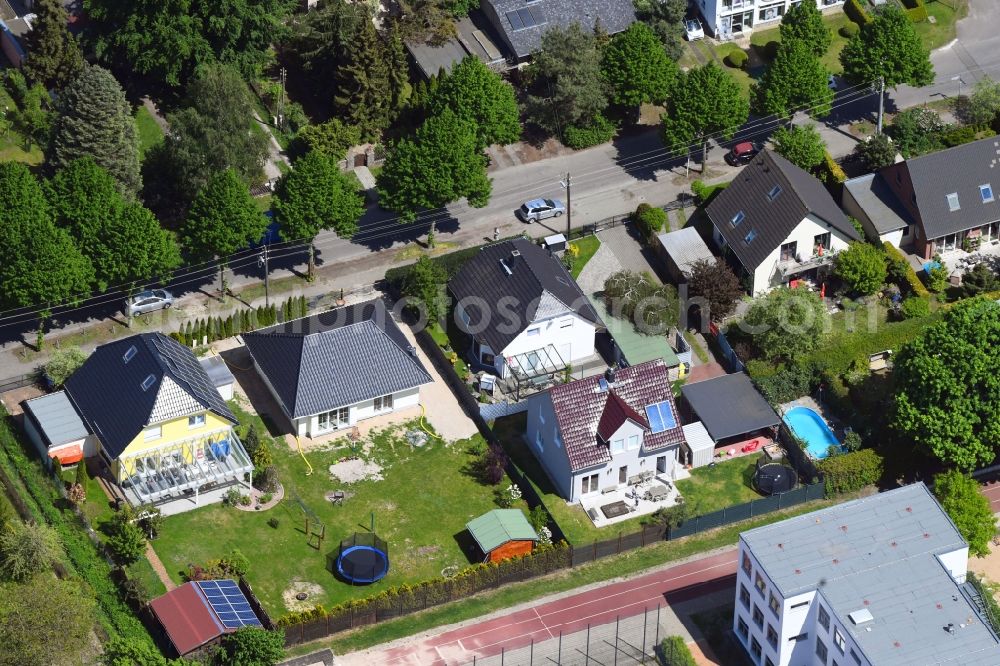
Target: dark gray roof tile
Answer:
pixel 542 15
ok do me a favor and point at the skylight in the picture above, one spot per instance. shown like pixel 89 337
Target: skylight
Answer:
pixel 773 194
pixel 148 381
pixel 986 192
pixel 129 354
pixel 750 236
pixel 739 217
pixel 953 202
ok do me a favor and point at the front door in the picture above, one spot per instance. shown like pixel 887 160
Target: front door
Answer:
pixel 623 474
pixel 661 464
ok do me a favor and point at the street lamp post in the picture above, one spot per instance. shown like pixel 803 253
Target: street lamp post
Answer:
pixel 960 82
pixel 569 204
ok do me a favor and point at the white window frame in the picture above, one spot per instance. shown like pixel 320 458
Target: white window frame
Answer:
pixel 839 640
pixel 617 446
pixel 633 442
pixel 383 403
pixel 532 332
pixel 196 421
pixel 152 433
pixel 983 189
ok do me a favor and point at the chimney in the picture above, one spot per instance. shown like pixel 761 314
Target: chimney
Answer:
pixel 412 350
pixel 609 375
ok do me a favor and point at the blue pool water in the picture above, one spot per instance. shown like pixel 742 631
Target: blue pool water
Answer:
pixel 812 429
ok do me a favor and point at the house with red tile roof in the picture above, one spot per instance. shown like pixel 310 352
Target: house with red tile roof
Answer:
pixel 599 434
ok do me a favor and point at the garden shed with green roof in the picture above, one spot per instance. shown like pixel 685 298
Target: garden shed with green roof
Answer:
pixel 502 534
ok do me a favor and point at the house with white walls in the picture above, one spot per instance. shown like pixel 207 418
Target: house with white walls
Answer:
pixel 878 581
pixel 600 434
pixel 525 315
pixel 335 368
pixel 778 224
pixel 735 19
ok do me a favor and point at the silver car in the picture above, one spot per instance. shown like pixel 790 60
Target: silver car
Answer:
pixel 148 301
pixel 539 209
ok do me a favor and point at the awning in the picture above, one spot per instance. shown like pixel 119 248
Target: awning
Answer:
pixel 68 455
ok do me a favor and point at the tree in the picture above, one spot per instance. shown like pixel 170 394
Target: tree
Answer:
pixel 122 239
pixel 650 307
pixel 32 116
pixel 715 283
pixel 223 219
pixel 947 395
pixel 424 284
pixel 703 101
pixel 44 621
pixel 363 94
pixel 319 41
pixel 968 509
pixel 95 120
pixel 126 542
pixel 786 324
pixel 440 164
pixel 981 279
pixel 888 46
pixel 878 151
pixel 63 363
pixel 253 646
pixel 428 21
pixel 131 651
pixel 916 131
pixel 862 267
pixel 478 95
pixel 804 22
pixel 636 67
pixel 983 105
pixel 666 18
pixel 54 57
pixel 332 138
pixel 27 549
pixel 567 73
pixel 796 80
pixel 397 65
pixel 801 145
pixel 316 195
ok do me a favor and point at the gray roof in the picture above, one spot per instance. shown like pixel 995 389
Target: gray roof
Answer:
pixel 615 16
pixel 56 419
pixel 511 288
pixel 959 170
pixel 697 437
pixel 876 199
pixel 772 219
pixel 471 38
pixel 685 246
pixel 729 405
pixel 879 553
pixel 336 358
pixel 107 391
pixel 217 371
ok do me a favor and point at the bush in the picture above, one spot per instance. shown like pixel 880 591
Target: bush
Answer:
pixel 937 277
pixel 64 363
pixel 600 130
pixel 958 136
pixel 737 58
pixel 897 265
pixel 915 10
pixel 703 194
pixel 915 307
pixel 273 523
pixel 848 30
pixel 851 472
pixel 856 12
pixel 862 267
pixel 852 442
pixel 830 171
pixel 649 219
pixel 676 652
pixel 783 385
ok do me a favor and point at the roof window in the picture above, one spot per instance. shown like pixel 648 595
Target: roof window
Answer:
pixel 773 194
pixel 129 354
pixel 953 202
pixel 986 192
pixel 739 217
pixel 750 236
pixel 148 381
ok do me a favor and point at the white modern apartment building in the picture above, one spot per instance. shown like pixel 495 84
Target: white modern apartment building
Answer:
pixel 732 19
pixel 878 581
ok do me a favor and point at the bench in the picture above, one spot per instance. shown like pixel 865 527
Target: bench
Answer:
pixel 608 490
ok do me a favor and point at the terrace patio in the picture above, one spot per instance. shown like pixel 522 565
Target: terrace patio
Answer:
pixel 639 499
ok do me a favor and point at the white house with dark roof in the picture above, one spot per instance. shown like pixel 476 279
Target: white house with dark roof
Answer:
pixel 878 581
pixel 733 19
pixel 600 434
pixel 778 223
pixel 333 369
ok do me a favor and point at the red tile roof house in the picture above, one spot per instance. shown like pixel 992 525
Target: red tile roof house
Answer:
pixel 600 434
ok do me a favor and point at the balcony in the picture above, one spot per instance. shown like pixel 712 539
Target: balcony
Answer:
pixel 737 4
pixel 802 265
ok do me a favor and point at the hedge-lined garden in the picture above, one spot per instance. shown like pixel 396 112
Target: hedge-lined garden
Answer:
pixel 199 332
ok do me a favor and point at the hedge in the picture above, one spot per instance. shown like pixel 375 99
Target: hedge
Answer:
pixel 832 173
pixel 849 29
pixel 850 472
pixel 196 332
pixel 649 219
pixel 676 652
pixel 916 286
pixel 781 384
pixel 856 12
pixel 915 306
pixel 451 263
pixel 703 194
pixel 916 10
pixel 736 58
pixel 599 130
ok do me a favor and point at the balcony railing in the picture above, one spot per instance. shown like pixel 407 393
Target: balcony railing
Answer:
pixel 794 266
pixel 737 4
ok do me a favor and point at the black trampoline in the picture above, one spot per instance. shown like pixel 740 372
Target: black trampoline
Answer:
pixel 363 559
pixel 774 478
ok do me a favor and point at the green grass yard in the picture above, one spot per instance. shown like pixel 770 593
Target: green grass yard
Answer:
pixel 831 60
pixel 937 34
pixel 588 246
pixel 726 484
pixel 149 130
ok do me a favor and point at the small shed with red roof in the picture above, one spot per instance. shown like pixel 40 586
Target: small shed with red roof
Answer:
pixel 200 613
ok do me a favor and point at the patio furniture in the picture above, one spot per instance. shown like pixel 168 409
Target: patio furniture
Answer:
pixel 608 490
pixel 657 493
pixel 615 509
pixel 593 514
pixel 336 497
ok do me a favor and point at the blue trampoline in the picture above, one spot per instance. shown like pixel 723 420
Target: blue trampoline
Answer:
pixel 363 559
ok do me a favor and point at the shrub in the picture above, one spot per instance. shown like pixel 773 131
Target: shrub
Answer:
pixel 649 219
pixel 245 500
pixel 600 130
pixel 737 58
pixel 899 268
pixel 232 497
pixel 848 30
pixel 915 10
pixel 862 267
pixel 703 194
pixel 273 523
pixel 265 498
pixel 831 172
pixel 958 136
pixel 851 472
pixel 852 442
pixel 937 277
pixel 856 12
pixel 914 307
pixel 676 652
pixel 784 385
pixel 64 362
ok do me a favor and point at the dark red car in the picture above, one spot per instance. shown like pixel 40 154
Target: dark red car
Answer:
pixel 742 153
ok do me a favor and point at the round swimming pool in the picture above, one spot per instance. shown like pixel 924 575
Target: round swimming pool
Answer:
pixel 812 429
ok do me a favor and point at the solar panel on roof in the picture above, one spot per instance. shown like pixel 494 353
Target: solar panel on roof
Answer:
pixel 229 603
pixel 661 417
pixel 537 14
pixel 653 416
pixel 515 20
pixel 526 18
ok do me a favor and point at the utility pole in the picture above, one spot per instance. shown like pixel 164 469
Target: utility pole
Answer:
pixel 281 102
pixel 881 103
pixel 263 260
pixel 569 204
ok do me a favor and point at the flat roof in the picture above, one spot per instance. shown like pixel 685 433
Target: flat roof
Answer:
pixel 729 405
pixel 636 347
pixel 217 371
pixel 685 246
pixel 878 202
pixel 697 437
pixel 494 529
pixel 56 418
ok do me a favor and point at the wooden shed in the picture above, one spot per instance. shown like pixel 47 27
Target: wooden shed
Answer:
pixel 502 533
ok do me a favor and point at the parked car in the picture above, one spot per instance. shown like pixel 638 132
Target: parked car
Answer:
pixel 693 29
pixel 831 82
pixel 742 153
pixel 539 209
pixel 148 301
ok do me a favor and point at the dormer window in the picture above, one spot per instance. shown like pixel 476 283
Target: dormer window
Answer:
pixel 773 194
pixel 129 354
pixel 986 192
pixel 953 202
pixel 739 217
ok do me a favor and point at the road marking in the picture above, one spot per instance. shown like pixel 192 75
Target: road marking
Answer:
pixel 544 624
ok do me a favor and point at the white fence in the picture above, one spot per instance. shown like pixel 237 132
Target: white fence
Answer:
pixel 498 410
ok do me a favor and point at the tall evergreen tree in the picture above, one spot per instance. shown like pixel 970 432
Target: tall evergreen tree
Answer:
pixel 795 80
pixel 398 66
pixel 54 57
pixel 364 93
pixel 804 22
pixel 479 95
pixel 95 120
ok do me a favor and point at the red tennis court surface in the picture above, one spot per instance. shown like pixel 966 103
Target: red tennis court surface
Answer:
pixel 573 613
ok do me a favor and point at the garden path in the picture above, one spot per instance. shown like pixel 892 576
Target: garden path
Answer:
pixel 161 571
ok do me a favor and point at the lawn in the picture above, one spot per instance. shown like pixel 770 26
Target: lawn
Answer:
pixel 588 246
pixel 12 145
pixel 937 34
pixel 420 509
pixel 831 60
pixel 149 130
pixel 725 484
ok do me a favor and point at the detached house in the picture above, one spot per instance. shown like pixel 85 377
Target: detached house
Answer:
pixel 601 433
pixel 778 223
pixel 524 312
pixel 336 368
pixel 732 19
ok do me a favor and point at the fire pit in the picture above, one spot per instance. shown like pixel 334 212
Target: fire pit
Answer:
pixel 301 596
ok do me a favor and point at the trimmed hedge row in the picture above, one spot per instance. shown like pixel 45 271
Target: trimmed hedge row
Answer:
pixel 850 472
pixel 206 331
pixel 915 10
pixel 599 130
pixel 676 652
pixel 856 12
pixel 912 280
pixel 832 173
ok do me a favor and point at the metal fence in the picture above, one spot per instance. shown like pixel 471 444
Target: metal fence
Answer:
pixel 18 381
pixel 733 361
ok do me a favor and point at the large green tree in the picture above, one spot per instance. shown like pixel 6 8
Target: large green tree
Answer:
pixel 54 57
pixel 983 105
pixel 168 40
pixel 637 68
pixel 786 324
pixel 804 22
pixel 95 120
pixel 878 151
pixel 948 386
pixel 318 43
pixel 569 88
pixel 27 550
pixel 796 80
pixel 441 163
pixel 702 102
pixel 477 94
pixel 801 145
pixel 317 195
pixel 968 508
pixel 862 266
pixel 253 646
pixel 222 220
pixel 363 94
pixel 666 18
pixel 888 46
pixel 122 239
pixel 45 621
